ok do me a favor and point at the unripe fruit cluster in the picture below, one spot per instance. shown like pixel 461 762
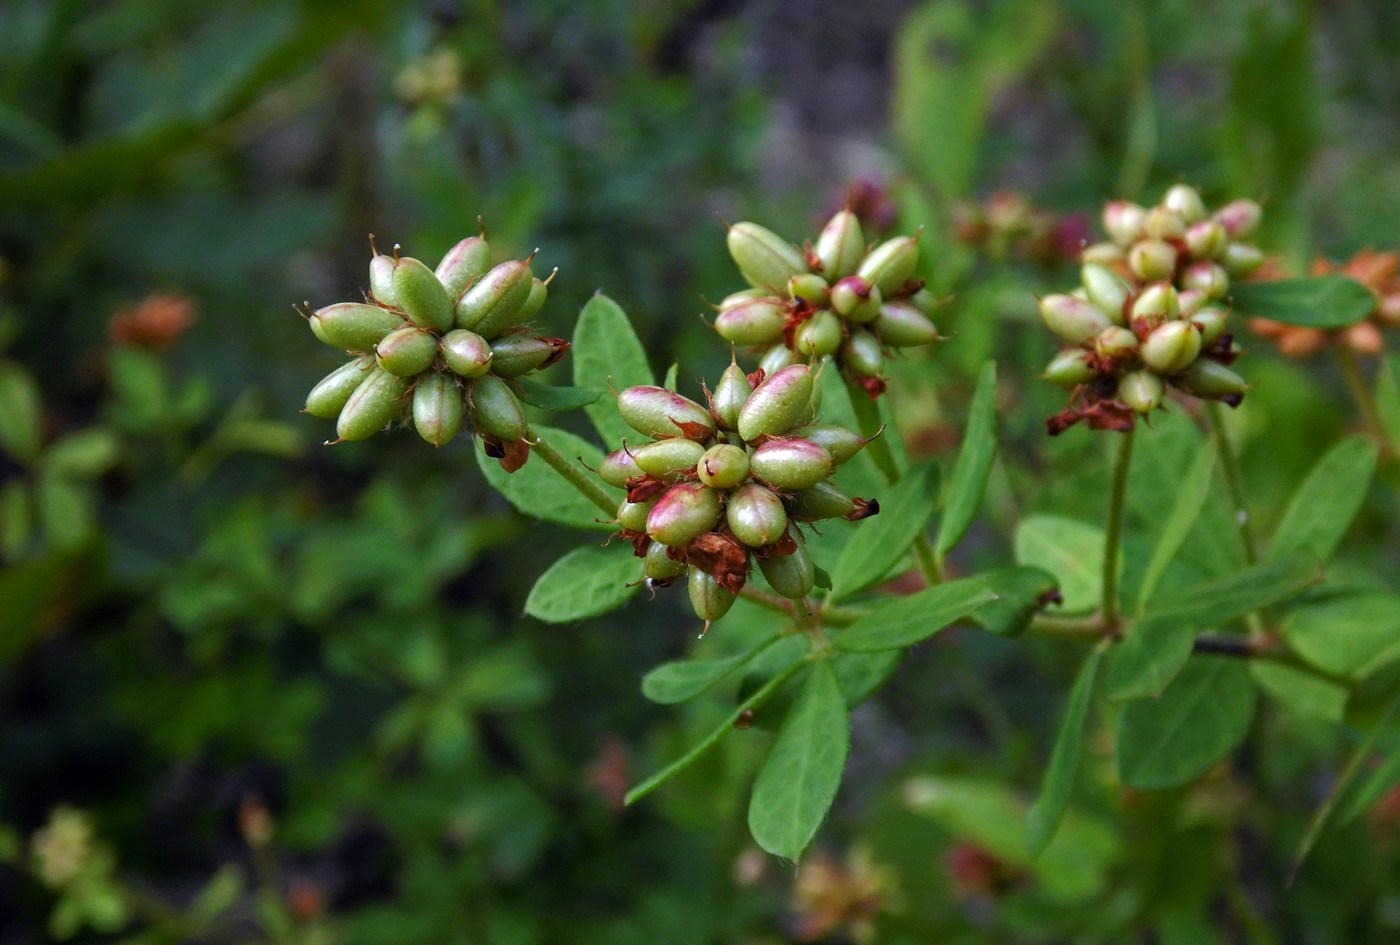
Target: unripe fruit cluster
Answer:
pixel 717 488
pixel 1150 311
pixel 436 347
pixel 836 298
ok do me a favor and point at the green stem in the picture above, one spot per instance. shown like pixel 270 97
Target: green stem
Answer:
pixel 1113 532
pixel 1230 467
pixel 766 599
pixel 575 475
pixel 834 615
pixel 1361 393
pixel 1050 625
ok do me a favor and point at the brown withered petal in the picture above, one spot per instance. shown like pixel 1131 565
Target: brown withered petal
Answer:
pixel 722 557
pixel 643 488
pixel 515 454
pixel 864 508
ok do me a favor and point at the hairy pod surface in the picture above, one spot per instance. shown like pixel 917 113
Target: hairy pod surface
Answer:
pixel 495 300
pixel 764 258
pixel 353 326
pixel 407 351
pixel 752 322
pixel 683 513
pixel 466 353
pixel 373 406
pixel 668 459
pixel 840 246
pixel 723 466
pixel 463 264
pixel 437 408
pixel 329 396
pixel 710 601
pixel 777 404
pixel 659 413
pixel 792 576
pixel 790 463
pixel 756 515
pixel 419 293
pixel 495 409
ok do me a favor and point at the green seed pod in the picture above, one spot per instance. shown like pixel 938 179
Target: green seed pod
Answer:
pixel 437 408
pixel 495 301
pixel 617 467
pixel 668 459
pixel 1206 277
pixel 633 515
pixel 756 515
pixel 744 295
pixel 464 263
pixel 777 404
pixel 659 567
pixel 1240 218
pixel 1151 260
pixel 1211 323
pixel 1073 320
pixel 775 359
pixel 730 396
pixel 1141 390
pixel 862 355
pixel 818 336
pixel 1105 288
pixel 1212 380
pixel 820 502
pixel 353 326
pixel 791 463
pixel 381 280
pixel 809 287
pixel 683 513
pixel 659 413
pixel 891 264
pixel 520 353
pixel 840 246
pixel 1241 260
pixel 1164 223
pixel 539 291
pixel 925 301
pixel 901 325
pixel 375 403
pixel 1189 302
pixel 1205 239
pixel 814 403
pixel 1124 221
pixel 753 321
pixel 855 299
pixel 330 395
pixel 792 576
pixel 1157 301
pixel 1116 342
pixel 1069 369
pixel 1171 347
pixel 1186 202
pixel 764 258
pixel 407 351
pixel 723 466
pixel 839 442
pixel 418 292
pixel 1102 254
pixel 466 353
pixel 495 409
pixel 710 601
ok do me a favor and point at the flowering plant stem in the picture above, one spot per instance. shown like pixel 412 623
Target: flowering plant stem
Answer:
pixel 574 475
pixel 1230 467
pixel 1361 394
pixel 1113 530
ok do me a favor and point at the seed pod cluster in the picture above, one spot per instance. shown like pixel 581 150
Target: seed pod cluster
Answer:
pixel 437 348
pixel 834 298
pixel 714 489
pixel 1150 310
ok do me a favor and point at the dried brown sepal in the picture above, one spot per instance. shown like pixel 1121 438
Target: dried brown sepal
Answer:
pixel 644 488
pixel 721 556
pixel 514 454
pixel 864 508
pixel 874 386
pixel 802 311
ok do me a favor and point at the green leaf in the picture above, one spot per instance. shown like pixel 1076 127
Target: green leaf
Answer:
pixel 860 674
pixel 547 397
pixel 20 413
pixel 1218 602
pixel 65 511
pixel 539 491
pixel 1301 691
pixel 16 518
pixel 1388 398
pixel 798 781
pixel 1346 636
pixel 672 377
pixel 1148 658
pixel 679 680
pixel 1069 549
pixel 1187 501
pixel 607 354
pixel 880 542
pixel 586 582
pixel 974 465
pixel 1044 817
pixel 905 621
pixel 1021 594
pixel 217 896
pixel 1313 302
pixel 1199 719
pixel 1376 786
pixel 1324 506
pixel 82 454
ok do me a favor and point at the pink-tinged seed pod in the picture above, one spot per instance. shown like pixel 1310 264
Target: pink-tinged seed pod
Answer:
pixel 1106 289
pixel 683 513
pixel 494 302
pixel 710 601
pixel 329 397
pixel 792 576
pixel 901 325
pixel 617 467
pixel 381 279
pixel 1116 342
pixel 1240 218
pixel 809 287
pixel 730 395
pixel 1190 301
pixel 1186 201
pixel 1212 380
pixel 520 353
pixel 1069 369
pixel 862 355
pixel 353 326
pixel 418 292
pixel 407 351
pixel 1205 239
pixel 437 408
pixel 1210 321
pixel 776 358
pixel 790 463
pixel 753 322
pixel 464 263
pixel 777 404
pixel 840 246
pixel 764 258
pixel 1171 347
pixel 756 515
pixel 1157 302
pixel 495 409
pixel 659 413
pixel 818 336
pixel 1164 223
pixel 668 459
pixel 1124 221
pixel 1141 390
pixel 1150 260
pixel 466 353
pixel 821 501
pixel 891 264
pixel 723 466
pixel 659 567
pixel 373 405
pixel 744 295
pixel 1241 260
pixel 1102 254
pixel 1073 320
pixel 855 299
pixel 839 442
pixel 633 515
pixel 1206 277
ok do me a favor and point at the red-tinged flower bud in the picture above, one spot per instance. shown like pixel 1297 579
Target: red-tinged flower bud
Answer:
pixel 1206 277
pixel 437 408
pixel 723 466
pixel 1210 321
pixel 891 264
pixel 1156 302
pixel 1240 218
pixel 659 413
pixel 792 576
pixel 668 459
pixel 777 404
pixel 730 395
pixel 1212 380
pixel 818 336
pixel 466 353
pixel 329 396
pixel 381 279
pixel 1116 342
pixel 710 601
pixel 464 263
pixel 1171 347
pixel 353 326
pixel 839 442
pixel 1106 289
pixel 373 405
pixel 1069 369
pixel 790 463
pixel 659 567
pixel 495 409
pixel 520 353
pixel 901 325
pixel 1205 239
pixel 1103 254
pixel 821 501
pixel 809 287
pixel 862 355
pixel 418 292
pixel 840 246
pixel 764 258
pixel 1074 320
pixel 1124 222
pixel 1164 223
pixel 855 299
pixel 1151 260
pixel 756 515
pixel 683 513
pixel 753 321
pixel 617 467
pixel 1186 202
pixel 494 302
pixel 407 351
pixel 1141 390
pixel 1241 260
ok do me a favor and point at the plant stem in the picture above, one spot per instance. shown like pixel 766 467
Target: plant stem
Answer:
pixel 1113 531
pixel 574 476
pixel 1361 393
pixel 1230 466
pixel 1050 625
pixel 767 599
